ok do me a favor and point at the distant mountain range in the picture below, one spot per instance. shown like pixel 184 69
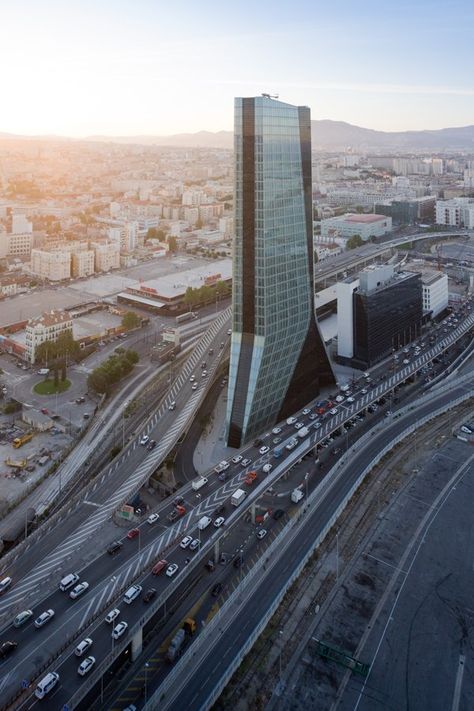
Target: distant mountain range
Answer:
pixel 326 136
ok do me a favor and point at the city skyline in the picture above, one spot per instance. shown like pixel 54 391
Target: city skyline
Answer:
pixel 125 69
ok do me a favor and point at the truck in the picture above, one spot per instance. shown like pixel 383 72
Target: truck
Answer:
pixel 250 478
pixel 292 444
pixel 237 497
pixel 221 467
pixel 296 495
pixel 43 371
pixel 204 522
pixel 303 432
pixel 20 441
pixel 175 647
pixel 198 483
pixel 188 316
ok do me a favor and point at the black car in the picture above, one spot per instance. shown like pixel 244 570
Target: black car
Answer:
pixel 114 547
pixel 278 514
pixel 7 648
pixel 179 501
pixel 149 595
pixel 151 444
pixel 172 516
pixel 216 589
pixel 258 442
pixel 238 561
pixel 219 510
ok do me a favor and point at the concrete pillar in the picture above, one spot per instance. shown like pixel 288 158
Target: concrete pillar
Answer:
pixel 137 645
pixel 216 552
pixel 252 512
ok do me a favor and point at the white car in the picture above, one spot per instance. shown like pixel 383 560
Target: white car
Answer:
pixel 238 458
pixel 405 361
pixel 171 570
pixel 83 647
pixel 245 462
pixel 119 629
pixel 266 468
pixel 363 391
pixel 276 430
pixel 339 398
pixel 219 521
pixel 261 533
pixel 144 440
pixel 333 411
pixel 229 332
pixel 291 420
pixel 194 545
pixel 44 618
pixel 78 590
pixel 350 399
pixel 112 615
pixel 186 541
pixel 85 666
pixel 172 405
pixel 306 411
pixel 192 378
pixel 264 450
pixel 153 518
pixel 194 386
pixel 298 425
pixel 316 425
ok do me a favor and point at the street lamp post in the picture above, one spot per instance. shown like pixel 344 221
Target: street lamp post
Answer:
pixel 337 555
pixel 146 680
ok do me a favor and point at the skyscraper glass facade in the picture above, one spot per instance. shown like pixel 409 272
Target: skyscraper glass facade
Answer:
pixel 276 344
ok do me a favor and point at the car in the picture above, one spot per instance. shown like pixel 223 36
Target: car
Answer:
pixel 86 415
pixel 132 593
pixel 149 595
pixel 291 444
pixel 172 516
pixel 151 445
pixel 333 411
pixel 291 420
pixel 216 589
pixel 179 501
pixel 306 411
pixel 114 547
pixel 261 533
pixel 276 440
pixel 119 629
pixel 83 647
pixel 223 476
pixel 339 398
pixel 219 521
pixel 194 545
pixel 276 430
pixel 467 429
pixel 350 399
pixel 153 518
pixel 229 332
pixel 44 618
pixel 266 468
pixel 238 458
pixel 219 510
pixel 194 386
pixel 22 618
pixel 171 570
pixel 245 462
pixel 144 440
pixel 85 666
pixel 44 411
pixel 192 378
pixel 317 424
pixel 264 450
pixel 6 648
pixel 172 405
pixel 79 590
pixel 405 361
pixel 298 425
pixel 204 373
pixel 158 567
pixel 312 416
pixel 278 514
pixel 363 391
pixel 186 541
pixel 112 615
pixel 238 560
pixel 133 533
pixel 371 409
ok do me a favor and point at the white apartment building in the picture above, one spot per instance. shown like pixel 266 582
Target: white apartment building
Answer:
pixel 226 226
pixel 435 292
pixel 17 245
pixel 54 265
pixel 82 263
pixel 345 316
pixel 458 212
pixel 107 256
pixel 46 327
pixel 20 224
pixel 324 250
pixel 345 226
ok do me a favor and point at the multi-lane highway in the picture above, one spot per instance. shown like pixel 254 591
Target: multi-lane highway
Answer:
pixel 108 576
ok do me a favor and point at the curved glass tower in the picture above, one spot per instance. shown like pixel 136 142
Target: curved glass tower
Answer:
pixel 278 359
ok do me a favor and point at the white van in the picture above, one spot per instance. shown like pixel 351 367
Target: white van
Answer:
pixel 204 522
pixel 46 684
pixel 4 584
pixel 68 581
pixel 132 594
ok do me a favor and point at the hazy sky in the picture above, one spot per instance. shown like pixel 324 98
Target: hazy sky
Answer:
pixel 123 67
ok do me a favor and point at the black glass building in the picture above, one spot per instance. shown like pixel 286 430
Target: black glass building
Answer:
pixel 278 359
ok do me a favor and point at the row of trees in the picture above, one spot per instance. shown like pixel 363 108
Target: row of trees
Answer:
pixel 65 347
pixel 116 367
pixel 206 294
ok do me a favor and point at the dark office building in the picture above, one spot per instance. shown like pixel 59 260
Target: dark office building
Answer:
pixel 387 314
pixel 407 212
pixel 278 359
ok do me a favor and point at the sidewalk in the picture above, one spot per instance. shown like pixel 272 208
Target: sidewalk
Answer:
pixel 211 448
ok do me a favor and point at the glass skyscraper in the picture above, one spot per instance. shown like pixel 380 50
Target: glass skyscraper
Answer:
pixel 278 360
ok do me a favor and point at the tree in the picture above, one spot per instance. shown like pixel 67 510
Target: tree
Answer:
pixel 354 241
pixel 173 243
pixel 151 233
pixel 130 320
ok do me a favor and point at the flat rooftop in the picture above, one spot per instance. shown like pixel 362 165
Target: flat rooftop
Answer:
pixel 173 285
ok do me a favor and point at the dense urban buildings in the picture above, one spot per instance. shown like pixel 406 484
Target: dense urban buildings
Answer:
pixel 278 358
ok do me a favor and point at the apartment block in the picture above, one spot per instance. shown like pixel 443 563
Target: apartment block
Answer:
pixel 46 327
pixel 54 265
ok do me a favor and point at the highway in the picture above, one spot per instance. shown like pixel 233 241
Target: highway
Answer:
pixel 108 576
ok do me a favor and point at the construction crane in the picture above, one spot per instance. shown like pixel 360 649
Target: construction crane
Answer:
pixel 270 96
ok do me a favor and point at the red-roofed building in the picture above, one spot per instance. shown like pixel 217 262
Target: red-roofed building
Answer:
pixel 341 228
